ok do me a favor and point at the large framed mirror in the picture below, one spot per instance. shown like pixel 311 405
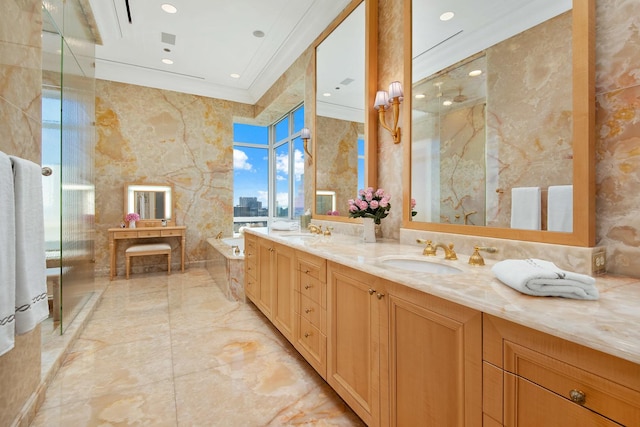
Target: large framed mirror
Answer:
pixel 345 129
pixel 502 115
pixel 154 203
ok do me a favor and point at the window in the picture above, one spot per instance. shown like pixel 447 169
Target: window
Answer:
pixel 51 157
pixel 268 165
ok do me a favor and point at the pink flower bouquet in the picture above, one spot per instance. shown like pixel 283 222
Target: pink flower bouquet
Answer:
pixel 370 204
pixel 132 217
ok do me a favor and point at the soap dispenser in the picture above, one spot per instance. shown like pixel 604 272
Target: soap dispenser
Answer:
pixel 305 219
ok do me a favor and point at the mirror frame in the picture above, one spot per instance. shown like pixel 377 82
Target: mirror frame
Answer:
pixel 129 187
pixel 371 119
pixel 583 61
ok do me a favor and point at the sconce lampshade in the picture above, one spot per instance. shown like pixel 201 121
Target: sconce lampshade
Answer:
pixel 382 99
pixel 395 90
pixel 305 133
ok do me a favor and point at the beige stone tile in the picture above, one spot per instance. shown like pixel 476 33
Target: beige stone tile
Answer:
pixel 93 368
pixel 252 393
pixel 120 329
pixel 200 349
pixel 149 405
pixel 132 303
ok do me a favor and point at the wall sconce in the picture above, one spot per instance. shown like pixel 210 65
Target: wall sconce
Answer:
pixel 383 100
pixel 305 134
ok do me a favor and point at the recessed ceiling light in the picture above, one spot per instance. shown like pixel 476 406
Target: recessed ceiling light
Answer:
pixel 234 75
pixel 447 16
pixel 326 94
pixel 258 33
pixel 420 96
pixel 447 103
pixel 167 61
pixel 475 73
pixel 169 8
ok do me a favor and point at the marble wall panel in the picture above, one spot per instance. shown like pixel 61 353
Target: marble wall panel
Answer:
pixel 20 135
pixel 391 68
pixel 618 134
pixel 155 136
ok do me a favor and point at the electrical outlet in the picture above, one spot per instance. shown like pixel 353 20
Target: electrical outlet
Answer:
pixel 599 262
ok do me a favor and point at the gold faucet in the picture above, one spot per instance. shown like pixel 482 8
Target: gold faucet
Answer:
pixel 327 232
pixel 476 258
pixel 429 250
pixel 315 229
pixel 449 253
pixel 219 235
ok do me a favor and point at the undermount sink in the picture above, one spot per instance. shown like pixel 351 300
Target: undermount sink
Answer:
pixel 419 265
pixel 297 236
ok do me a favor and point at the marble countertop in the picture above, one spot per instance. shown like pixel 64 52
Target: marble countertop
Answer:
pixel 611 324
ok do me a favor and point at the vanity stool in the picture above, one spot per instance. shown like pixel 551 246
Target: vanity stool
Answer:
pixel 148 249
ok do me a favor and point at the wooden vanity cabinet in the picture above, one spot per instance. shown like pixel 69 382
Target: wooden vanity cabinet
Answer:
pixel 434 370
pixel 535 379
pixel 269 283
pixel 353 352
pixel 310 304
pixel 401 357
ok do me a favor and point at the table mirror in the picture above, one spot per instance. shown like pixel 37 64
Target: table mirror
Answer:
pixel 154 203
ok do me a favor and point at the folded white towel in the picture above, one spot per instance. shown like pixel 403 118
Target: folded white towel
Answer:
pixel 526 208
pixel 7 256
pixel 31 305
pixel 560 208
pixel 284 225
pixel 543 278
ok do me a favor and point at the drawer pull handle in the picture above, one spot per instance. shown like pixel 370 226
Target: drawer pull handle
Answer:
pixel 307 271
pixel 379 295
pixel 307 334
pixel 308 310
pixel 577 396
pixel 307 286
pixel 372 291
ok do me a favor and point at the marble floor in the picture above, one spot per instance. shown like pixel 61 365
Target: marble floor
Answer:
pixel 172 351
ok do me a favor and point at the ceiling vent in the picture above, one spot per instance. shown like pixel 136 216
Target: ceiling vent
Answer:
pixel 168 38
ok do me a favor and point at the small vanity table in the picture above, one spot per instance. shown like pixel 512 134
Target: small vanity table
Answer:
pixel 154 204
pixel 139 234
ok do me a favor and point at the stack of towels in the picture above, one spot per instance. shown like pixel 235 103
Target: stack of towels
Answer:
pixel 543 278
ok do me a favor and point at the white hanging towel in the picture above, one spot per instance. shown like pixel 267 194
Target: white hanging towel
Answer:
pixel 7 256
pixel 525 208
pixel 31 279
pixel 560 208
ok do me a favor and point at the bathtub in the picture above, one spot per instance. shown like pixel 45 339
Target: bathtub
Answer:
pixel 226 265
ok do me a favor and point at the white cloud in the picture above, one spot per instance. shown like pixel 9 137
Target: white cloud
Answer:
pixel 298 164
pixel 240 160
pixel 282 200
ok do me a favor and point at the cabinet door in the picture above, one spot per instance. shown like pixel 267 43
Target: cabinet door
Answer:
pixel 283 282
pixel 435 361
pixel 353 347
pixel 264 276
pixel 529 405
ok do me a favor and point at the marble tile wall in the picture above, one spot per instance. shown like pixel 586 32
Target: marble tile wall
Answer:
pixel 20 135
pixel 618 133
pixel 148 135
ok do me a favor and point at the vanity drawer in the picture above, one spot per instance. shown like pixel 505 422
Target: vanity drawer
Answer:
pixel 309 336
pixel 149 233
pixel 311 288
pixel 600 395
pixel 169 233
pixel 312 265
pixel 125 235
pixel 310 310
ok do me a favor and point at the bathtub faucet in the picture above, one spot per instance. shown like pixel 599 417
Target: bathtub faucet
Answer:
pixel 219 235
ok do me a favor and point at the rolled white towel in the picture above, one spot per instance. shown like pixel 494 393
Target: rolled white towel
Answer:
pixel 543 278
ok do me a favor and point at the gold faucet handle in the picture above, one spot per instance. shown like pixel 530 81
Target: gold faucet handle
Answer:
pixel 429 250
pixel 450 254
pixel 327 232
pixel 476 258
